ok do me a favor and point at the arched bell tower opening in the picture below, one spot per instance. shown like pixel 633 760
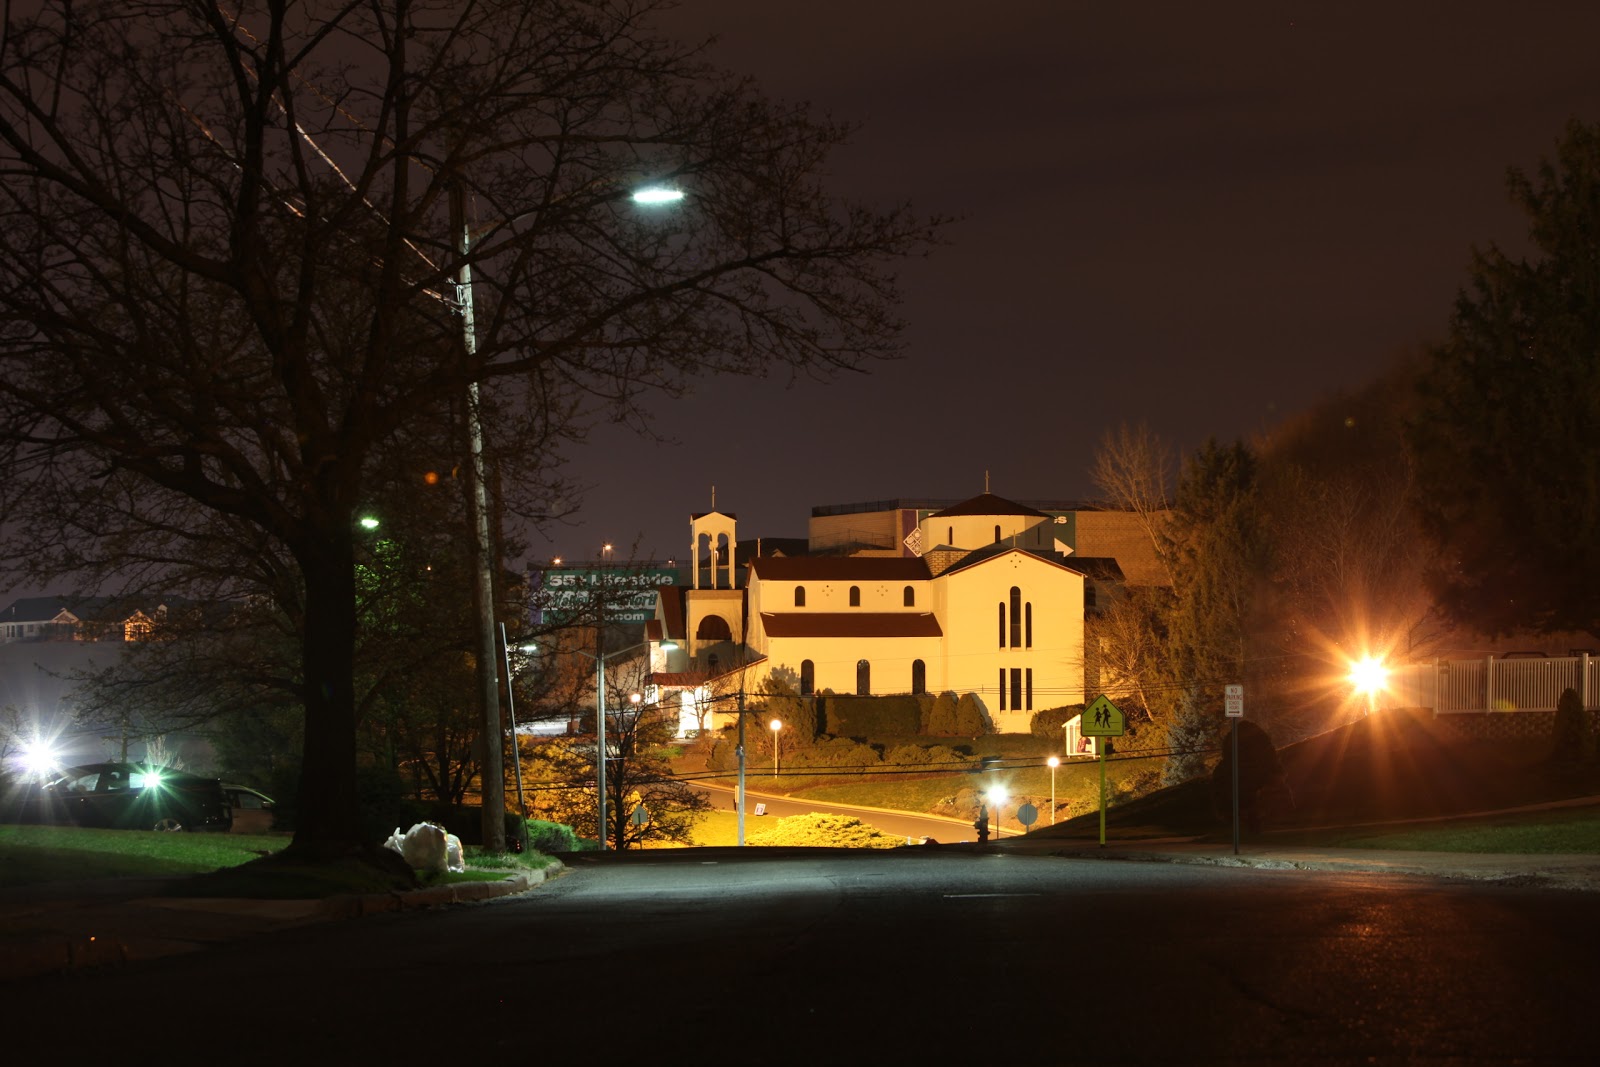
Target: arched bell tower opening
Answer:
pixel 711 541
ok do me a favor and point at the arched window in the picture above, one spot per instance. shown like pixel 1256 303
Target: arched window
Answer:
pixel 863 678
pixel 997 533
pixel 855 596
pixel 950 535
pixel 713 628
pixel 799 596
pixel 910 597
pixel 1016 617
pixel 919 677
pixel 808 677
pixel 1027 625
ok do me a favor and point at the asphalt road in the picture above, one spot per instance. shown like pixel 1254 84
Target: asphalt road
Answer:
pixel 947 955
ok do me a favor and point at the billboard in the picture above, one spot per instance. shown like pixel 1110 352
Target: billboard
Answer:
pixel 627 594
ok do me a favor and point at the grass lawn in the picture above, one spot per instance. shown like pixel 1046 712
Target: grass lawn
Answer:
pixel 1555 831
pixel 34 854
pixel 30 854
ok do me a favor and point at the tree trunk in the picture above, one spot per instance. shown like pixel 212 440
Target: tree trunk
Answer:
pixel 327 820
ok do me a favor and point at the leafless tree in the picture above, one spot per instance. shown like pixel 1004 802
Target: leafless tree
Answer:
pixel 230 242
pixel 1133 469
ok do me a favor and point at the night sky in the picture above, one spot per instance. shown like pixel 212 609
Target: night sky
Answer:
pixel 1202 216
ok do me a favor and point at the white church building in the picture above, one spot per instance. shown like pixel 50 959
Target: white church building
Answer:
pixel 981 597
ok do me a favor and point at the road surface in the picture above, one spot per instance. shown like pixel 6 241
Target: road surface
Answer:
pixel 940 955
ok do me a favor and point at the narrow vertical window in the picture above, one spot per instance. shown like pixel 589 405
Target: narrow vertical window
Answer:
pixel 808 677
pixel 1002 689
pixel 1027 626
pixel 1002 624
pixel 799 596
pixel 1028 681
pixel 919 677
pixel 1016 688
pixel 997 533
pixel 863 678
pixel 910 597
pixel 1016 617
pixel 855 596
pixel 950 535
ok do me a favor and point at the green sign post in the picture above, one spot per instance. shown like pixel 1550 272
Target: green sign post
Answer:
pixel 1103 719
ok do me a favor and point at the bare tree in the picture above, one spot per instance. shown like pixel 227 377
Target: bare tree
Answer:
pixel 230 241
pixel 1133 469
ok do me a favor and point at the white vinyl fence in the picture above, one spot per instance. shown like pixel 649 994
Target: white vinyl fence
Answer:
pixel 1480 685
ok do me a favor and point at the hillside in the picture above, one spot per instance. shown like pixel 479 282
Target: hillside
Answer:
pixel 1397 764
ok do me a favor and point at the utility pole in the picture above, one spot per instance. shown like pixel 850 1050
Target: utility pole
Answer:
pixel 493 777
pixel 740 750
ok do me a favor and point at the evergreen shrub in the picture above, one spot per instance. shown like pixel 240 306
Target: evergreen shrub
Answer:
pixel 1048 723
pixel 858 716
pixel 547 837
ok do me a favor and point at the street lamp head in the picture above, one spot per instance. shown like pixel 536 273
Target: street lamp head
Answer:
pixel 776 724
pixel 997 795
pixel 1369 674
pixel 654 195
pixel 634 698
pixel 369 522
pixel 668 646
pixel 1053 762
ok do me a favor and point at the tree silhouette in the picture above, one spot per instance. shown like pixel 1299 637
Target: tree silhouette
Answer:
pixel 229 250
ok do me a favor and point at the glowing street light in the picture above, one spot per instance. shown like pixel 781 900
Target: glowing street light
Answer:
pixel 1369 675
pixel 997 797
pixel 1054 762
pixel 38 759
pixel 651 195
pixel 776 724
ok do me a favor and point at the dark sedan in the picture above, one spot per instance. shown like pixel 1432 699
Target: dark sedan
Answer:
pixel 123 796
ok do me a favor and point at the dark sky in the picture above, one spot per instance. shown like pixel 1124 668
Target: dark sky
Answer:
pixel 1203 216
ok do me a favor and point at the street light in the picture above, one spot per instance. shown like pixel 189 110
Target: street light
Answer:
pixel 776 724
pixel 997 797
pixel 1054 763
pixel 492 775
pixel 1369 675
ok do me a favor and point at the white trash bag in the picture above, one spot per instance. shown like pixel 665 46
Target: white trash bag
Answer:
pixel 427 847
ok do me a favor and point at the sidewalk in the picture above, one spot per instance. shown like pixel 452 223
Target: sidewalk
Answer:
pixel 64 926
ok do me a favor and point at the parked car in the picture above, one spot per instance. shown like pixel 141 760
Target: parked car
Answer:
pixel 252 809
pixel 127 796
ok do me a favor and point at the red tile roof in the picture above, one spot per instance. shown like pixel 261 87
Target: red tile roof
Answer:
pixel 840 568
pixel 851 624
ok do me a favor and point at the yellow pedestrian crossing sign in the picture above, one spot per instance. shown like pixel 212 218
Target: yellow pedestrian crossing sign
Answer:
pixel 1102 719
